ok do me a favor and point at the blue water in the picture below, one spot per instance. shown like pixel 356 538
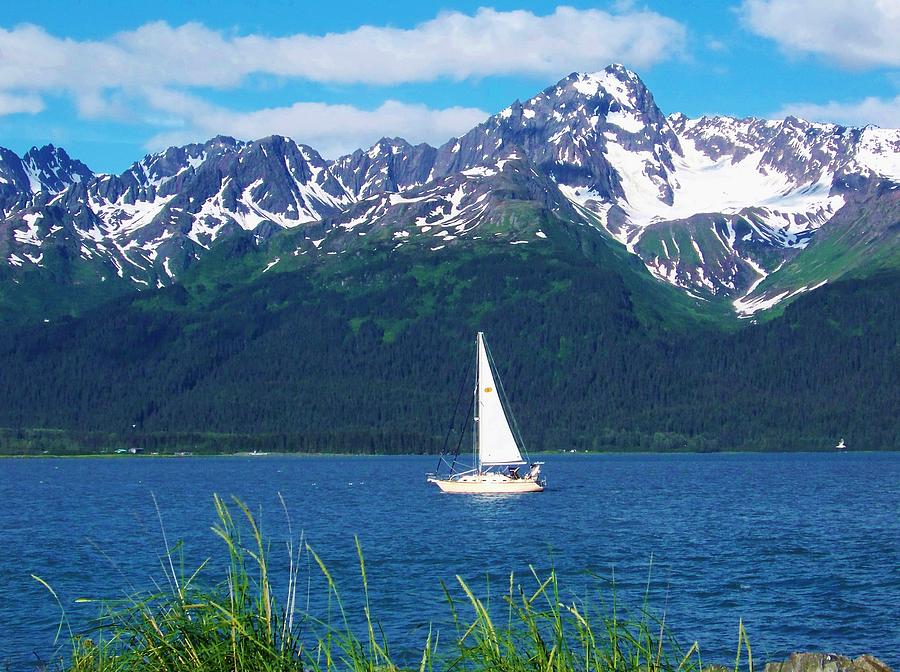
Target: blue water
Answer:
pixel 804 548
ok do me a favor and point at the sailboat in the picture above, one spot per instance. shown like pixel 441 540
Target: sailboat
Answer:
pixel 496 452
pixel 841 445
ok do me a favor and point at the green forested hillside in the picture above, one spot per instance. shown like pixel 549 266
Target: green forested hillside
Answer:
pixel 368 355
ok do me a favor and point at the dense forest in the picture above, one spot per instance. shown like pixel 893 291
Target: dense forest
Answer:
pixel 369 358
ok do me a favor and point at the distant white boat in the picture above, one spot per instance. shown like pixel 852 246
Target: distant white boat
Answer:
pixel 496 452
pixel 841 445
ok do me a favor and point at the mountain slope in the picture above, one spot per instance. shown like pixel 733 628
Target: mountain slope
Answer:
pixel 862 239
pixel 367 355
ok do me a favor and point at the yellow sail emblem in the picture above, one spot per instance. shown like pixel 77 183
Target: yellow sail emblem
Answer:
pixel 489 389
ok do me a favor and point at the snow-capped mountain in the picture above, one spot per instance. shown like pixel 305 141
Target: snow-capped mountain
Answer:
pixel 717 206
pixel 158 216
pixel 469 204
pixel 47 169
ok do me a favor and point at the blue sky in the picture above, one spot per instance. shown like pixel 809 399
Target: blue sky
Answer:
pixel 111 85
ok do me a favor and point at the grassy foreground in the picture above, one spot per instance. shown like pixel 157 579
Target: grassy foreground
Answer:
pixel 237 623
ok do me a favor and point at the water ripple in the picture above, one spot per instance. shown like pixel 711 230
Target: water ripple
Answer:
pixel 804 548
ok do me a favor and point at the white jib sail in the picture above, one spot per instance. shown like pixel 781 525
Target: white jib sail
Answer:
pixel 496 444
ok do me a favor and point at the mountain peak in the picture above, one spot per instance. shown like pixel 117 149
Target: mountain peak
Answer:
pixel 47 152
pixel 49 147
pixel 222 141
pixel 51 169
pixel 615 81
pixel 389 145
pixel 623 73
pixel 274 141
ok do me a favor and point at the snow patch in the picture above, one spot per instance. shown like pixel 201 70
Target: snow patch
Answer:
pixel 879 150
pixel 31 234
pixel 480 171
pixel 606 82
pixel 503 162
pixel 697 250
pixel 627 120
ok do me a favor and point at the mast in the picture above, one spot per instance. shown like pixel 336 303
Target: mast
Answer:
pixel 476 454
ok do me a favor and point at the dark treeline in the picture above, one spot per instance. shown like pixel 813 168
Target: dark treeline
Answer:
pixel 35 442
pixel 371 360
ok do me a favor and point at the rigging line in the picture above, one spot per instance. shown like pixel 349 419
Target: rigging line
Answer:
pixel 459 397
pixel 459 443
pixel 517 435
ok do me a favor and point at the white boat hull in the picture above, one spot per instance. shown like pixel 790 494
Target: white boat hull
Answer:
pixel 487 484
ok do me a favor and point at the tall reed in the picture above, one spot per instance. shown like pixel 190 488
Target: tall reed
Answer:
pixel 544 633
pixel 237 624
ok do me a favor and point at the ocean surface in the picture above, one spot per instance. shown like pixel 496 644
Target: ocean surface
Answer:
pixel 805 548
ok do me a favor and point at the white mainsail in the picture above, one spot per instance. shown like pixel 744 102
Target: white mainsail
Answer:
pixel 496 444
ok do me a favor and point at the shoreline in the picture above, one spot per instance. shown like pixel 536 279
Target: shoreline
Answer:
pixel 563 453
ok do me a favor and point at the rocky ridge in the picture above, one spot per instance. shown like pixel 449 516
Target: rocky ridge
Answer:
pixel 716 206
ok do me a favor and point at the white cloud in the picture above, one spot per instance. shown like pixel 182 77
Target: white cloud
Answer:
pixel 452 45
pixel 878 111
pixel 460 46
pixel 11 103
pixel 157 74
pixel 854 34
pixel 331 129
